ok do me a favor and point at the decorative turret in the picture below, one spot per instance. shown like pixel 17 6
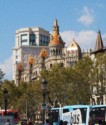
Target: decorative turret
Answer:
pixel 56 43
pixel 19 69
pixel 55 37
pixel 99 42
pixel 73 52
pixel 74 49
pixel 43 54
pixel 30 62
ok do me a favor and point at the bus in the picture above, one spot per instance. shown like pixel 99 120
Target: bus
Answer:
pixel 11 112
pixel 98 114
pixel 73 114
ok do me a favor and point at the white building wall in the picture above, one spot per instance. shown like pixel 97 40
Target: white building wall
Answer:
pixel 20 52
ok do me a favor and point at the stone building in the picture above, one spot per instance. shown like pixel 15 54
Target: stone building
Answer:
pixel 36 48
pixel 28 41
pixel 55 52
pixel 99 48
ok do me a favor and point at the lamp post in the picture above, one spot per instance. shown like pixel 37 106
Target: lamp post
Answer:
pixel 43 87
pixel 5 92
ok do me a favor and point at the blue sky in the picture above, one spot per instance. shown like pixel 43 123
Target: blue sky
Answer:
pixel 78 19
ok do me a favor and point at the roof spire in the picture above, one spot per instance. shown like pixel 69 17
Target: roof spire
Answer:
pixel 55 37
pixel 99 42
pixel 56 27
pixel 55 22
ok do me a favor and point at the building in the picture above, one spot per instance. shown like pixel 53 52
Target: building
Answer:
pixel 36 49
pixel 55 52
pixel 28 41
pixel 98 98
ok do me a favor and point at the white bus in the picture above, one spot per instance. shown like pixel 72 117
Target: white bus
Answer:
pixel 73 115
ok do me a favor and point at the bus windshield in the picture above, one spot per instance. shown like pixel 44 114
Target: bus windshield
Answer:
pixel 97 115
pixel 54 115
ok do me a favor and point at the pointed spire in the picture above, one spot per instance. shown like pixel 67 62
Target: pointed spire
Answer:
pixel 55 37
pixel 99 42
pixel 56 27
pixel 55 22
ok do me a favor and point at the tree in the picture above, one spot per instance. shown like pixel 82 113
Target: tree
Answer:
pixel 1 75
pixel 56 87
pixel 70 85
pixel 82 81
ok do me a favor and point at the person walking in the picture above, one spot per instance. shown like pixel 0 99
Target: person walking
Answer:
pixel 47 122
pixel 61 122
pixel 7 122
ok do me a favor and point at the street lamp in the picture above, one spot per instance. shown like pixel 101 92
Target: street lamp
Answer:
pixel 5 92
pixel 43 87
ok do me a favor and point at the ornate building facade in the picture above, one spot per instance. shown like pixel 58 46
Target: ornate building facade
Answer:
pixel 55 52
pixel 36 49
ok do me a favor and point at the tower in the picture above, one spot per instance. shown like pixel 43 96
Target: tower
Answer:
pixel 99 42
pixel 56 43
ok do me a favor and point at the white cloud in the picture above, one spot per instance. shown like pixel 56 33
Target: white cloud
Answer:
pixel 6 67
pixel 100 5
pixel 86 17
pixel 85 39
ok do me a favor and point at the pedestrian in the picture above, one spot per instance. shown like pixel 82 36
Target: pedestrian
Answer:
pixel 61 122
pixel 47 122
pixel 65 123
pixel 7 122
pixel 30 122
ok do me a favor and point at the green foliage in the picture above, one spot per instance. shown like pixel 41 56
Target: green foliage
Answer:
pixel 65 86
pixel 69 85
pixel 1 75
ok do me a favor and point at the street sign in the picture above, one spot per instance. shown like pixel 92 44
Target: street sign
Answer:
pixel 43 105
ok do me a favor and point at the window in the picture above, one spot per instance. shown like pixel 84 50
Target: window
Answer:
pixel 16 62
pixel 33 39
pixel 43 40
pixel 24 38
pixel 16 56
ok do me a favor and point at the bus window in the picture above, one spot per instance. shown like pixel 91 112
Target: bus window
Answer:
pixel 65 110
pixel 97 114
pixel 53 116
